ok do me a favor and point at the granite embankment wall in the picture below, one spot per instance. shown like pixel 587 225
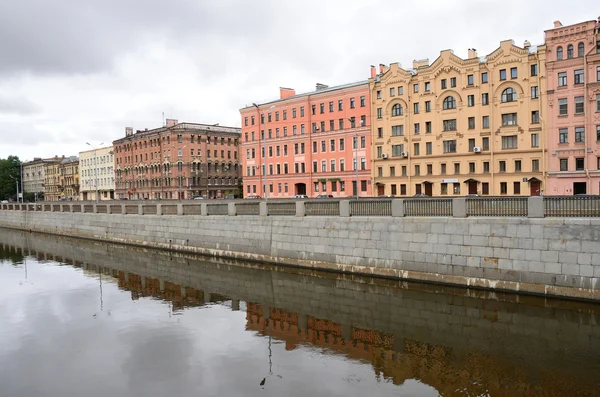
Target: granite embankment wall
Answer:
pixel 546 256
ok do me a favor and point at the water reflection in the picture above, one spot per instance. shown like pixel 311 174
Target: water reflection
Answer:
pixel 140 322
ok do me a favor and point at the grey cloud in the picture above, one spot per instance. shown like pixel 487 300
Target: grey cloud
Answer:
pixel 18 106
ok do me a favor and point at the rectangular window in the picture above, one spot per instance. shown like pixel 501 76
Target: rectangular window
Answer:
pixel 322 126
pixel 535 92
pixel 315 166
pixel 363 142
pixel 416 108
pixel 535 165
pixel 294 113
pixel 415 87
pixel 470 79
pixel 502 165
pixel 352 103
pixel 330 106
pixel 453 82
pixel 444 189
pixel 363 101
pixel 323 166
pixel 403 189
pixel 332 145
pixel 417 170
pixel 379 113
pixel 579 134
pixel 598 73
pixel 503 74
pixel 379 132
pixel 340 104
pixel 400 90
pixel 535 117
pixel 394 191
pixel 397 150
pixel 301 111
pixel 428 148
pixel 598 133
pixel 578 76
pixel 321 108
pixel 334 186
pixel 450 125
pixel 393 91
pixel 563 107
pixel 427 86
pixel 510 142
pixel 276 116
pixel 392 171
pixel 534 69
pixel 598 101
pixel 579 164
pixel 485 99
pixel 579 103
pixel 379 151
pixel 378 94
pixel 562 79
pixel 331 125
pixel 563 135
pixel 471 123
pixel 323 146
pixel 564 164
pixel 403 170
pixel 517 165
pixel 341 123
pixel 342 165
pixel 485 122
pixel 486 167
pixel 535 140
pixel 428 106
pixel 416 150
pixel 443 169
pixel 450 146
pixel 471 100
pixel 428 127
pixel 471 144
pixel 417 128
pixel 513 73
pixel 517 188
pixel 443 84
pixel 484 77
pixel 485 188
pixel 341 144
pixel 471 168
pixel 302 129
pixel 509 119
pixel 457 168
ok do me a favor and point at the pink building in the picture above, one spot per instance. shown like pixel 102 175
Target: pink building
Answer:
pixel 314 142
pixel 573 114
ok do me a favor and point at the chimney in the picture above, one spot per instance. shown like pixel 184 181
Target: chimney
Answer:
pixel 373 71
pixel 420 63
pixel 170 122
pixel 381 68
pixel 128 131
pixel 321 87
pixel 526 44
pixel 557 24
pixel 285 93
pixel 472 53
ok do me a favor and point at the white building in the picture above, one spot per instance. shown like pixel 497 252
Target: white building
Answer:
pixel 97 165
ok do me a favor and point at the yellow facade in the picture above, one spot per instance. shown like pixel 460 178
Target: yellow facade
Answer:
pixel 461 126
pixel 52 181
pixel 61 181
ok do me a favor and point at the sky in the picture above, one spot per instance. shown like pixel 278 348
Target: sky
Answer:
pixel 77 71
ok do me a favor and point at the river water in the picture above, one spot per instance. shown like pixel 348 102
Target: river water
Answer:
pixel 88 319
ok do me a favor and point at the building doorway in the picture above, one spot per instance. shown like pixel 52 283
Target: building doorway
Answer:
pixel 472 185
pixel 534 186
pixel 579 188
pixel 300 188
pixel 85 196
pixel 428 188
pixel 380 190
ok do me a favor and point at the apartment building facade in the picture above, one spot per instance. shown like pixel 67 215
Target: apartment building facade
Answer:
pixel 179 160
pixel 97 174
pixel 34 175
pixel 461 126
pixel 573 66
pixel 314 143
pixel 61 179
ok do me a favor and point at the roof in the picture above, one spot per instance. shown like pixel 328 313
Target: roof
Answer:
pixel 315 92
pixel 184 127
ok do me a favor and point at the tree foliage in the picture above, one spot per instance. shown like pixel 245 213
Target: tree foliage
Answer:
pixel 10 173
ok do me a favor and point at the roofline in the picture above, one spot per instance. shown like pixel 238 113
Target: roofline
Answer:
pixel 184 126
pixel 568 26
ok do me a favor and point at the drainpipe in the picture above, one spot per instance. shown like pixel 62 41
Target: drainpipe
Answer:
pixel 544 130
pixel 585 125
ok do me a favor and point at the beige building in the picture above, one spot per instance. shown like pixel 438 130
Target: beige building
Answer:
pixel 52 185
pixel 460 126
pixel 34 175
pixel 61 179
pixel 97 168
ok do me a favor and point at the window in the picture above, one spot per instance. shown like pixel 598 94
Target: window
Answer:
pixel 579 134
pixel 471 100
pixel 342 144
pixel 598 133
pixel 330 106
pixel 427 86
pixel 452 82
pixel 394 192
pixel 428 127
pixel 509 95
pixel 471 123
pixel 579 164
pixel 578 76
pixel 509 142
pixel 484 77
pixel 340 104
pixel 323 146
pixel 535 165
pixel 503 74
pixel 379 132
pixel 396 110
pixel 352 103
pixel 534 70
pixel 580 49
pixel 363 101
pixel 444 189
pixel 323 166
pixel 471 168
pixel 562 79
pixel 427 106
pixel 378 94
pixel 331 125
pixel 428 148
pixel 535 117
pixel 246 121
pixel 352 122
pixel 578 105
pixel 443 169
pixel 417 170
pixel 513 73
pixel 486 167
pixel 502 165
pixel 563 135
pixel 416 149
pixel 294 113
pixel 301 129
pixel 380 171
pixel 597 102
pixel 450 146
pixel 379 115
pixel 457 168
pixel 416 108
pixel 403 170
pixel 535 94
pixel 342 166
pixel 415 87
pixel 509 119
pixel 471 144
pixel 393 91
pixel 392 171
pixel 485 99
pixel 563 107
pixel 564 164
pixel 570 51
pixel 322 108
pixel 470 80
pixel 443 84
pixel 400 90
pixel 598 73
pixel 315 166
pixel 535 140
pixel 559 54
pixel 379 151
pixel 301 111
pixel 341 121
pixel 450 125
pixel 397 150
pixel 363 142
pixel 417 128
pixel 449 103
pixel 517 187
pixel 517 165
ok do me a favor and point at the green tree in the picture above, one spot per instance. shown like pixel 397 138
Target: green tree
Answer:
pixel 10 174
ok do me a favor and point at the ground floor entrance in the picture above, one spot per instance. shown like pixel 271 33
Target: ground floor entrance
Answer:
pixel 579 188
pixel 300 188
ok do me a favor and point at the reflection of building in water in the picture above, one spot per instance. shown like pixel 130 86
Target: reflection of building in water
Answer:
pixel 398 359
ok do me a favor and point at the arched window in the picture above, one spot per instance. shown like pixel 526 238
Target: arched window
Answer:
pixel 559 54
pixel 580 49
pixel 570 51
pixel 509 95
pixel 449 103
pixel 397 110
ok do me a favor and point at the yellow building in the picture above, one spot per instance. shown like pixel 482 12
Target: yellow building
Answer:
pixel 461 126
pixel 61 180
pixel 52 187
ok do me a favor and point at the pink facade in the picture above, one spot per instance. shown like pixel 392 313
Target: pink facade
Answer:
pixel 313 142
pixel 573 114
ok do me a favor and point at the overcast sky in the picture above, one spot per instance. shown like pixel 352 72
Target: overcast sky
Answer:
pixel 77 71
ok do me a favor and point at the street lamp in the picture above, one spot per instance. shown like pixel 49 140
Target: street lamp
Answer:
pixel 95 166
pixel 264 146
